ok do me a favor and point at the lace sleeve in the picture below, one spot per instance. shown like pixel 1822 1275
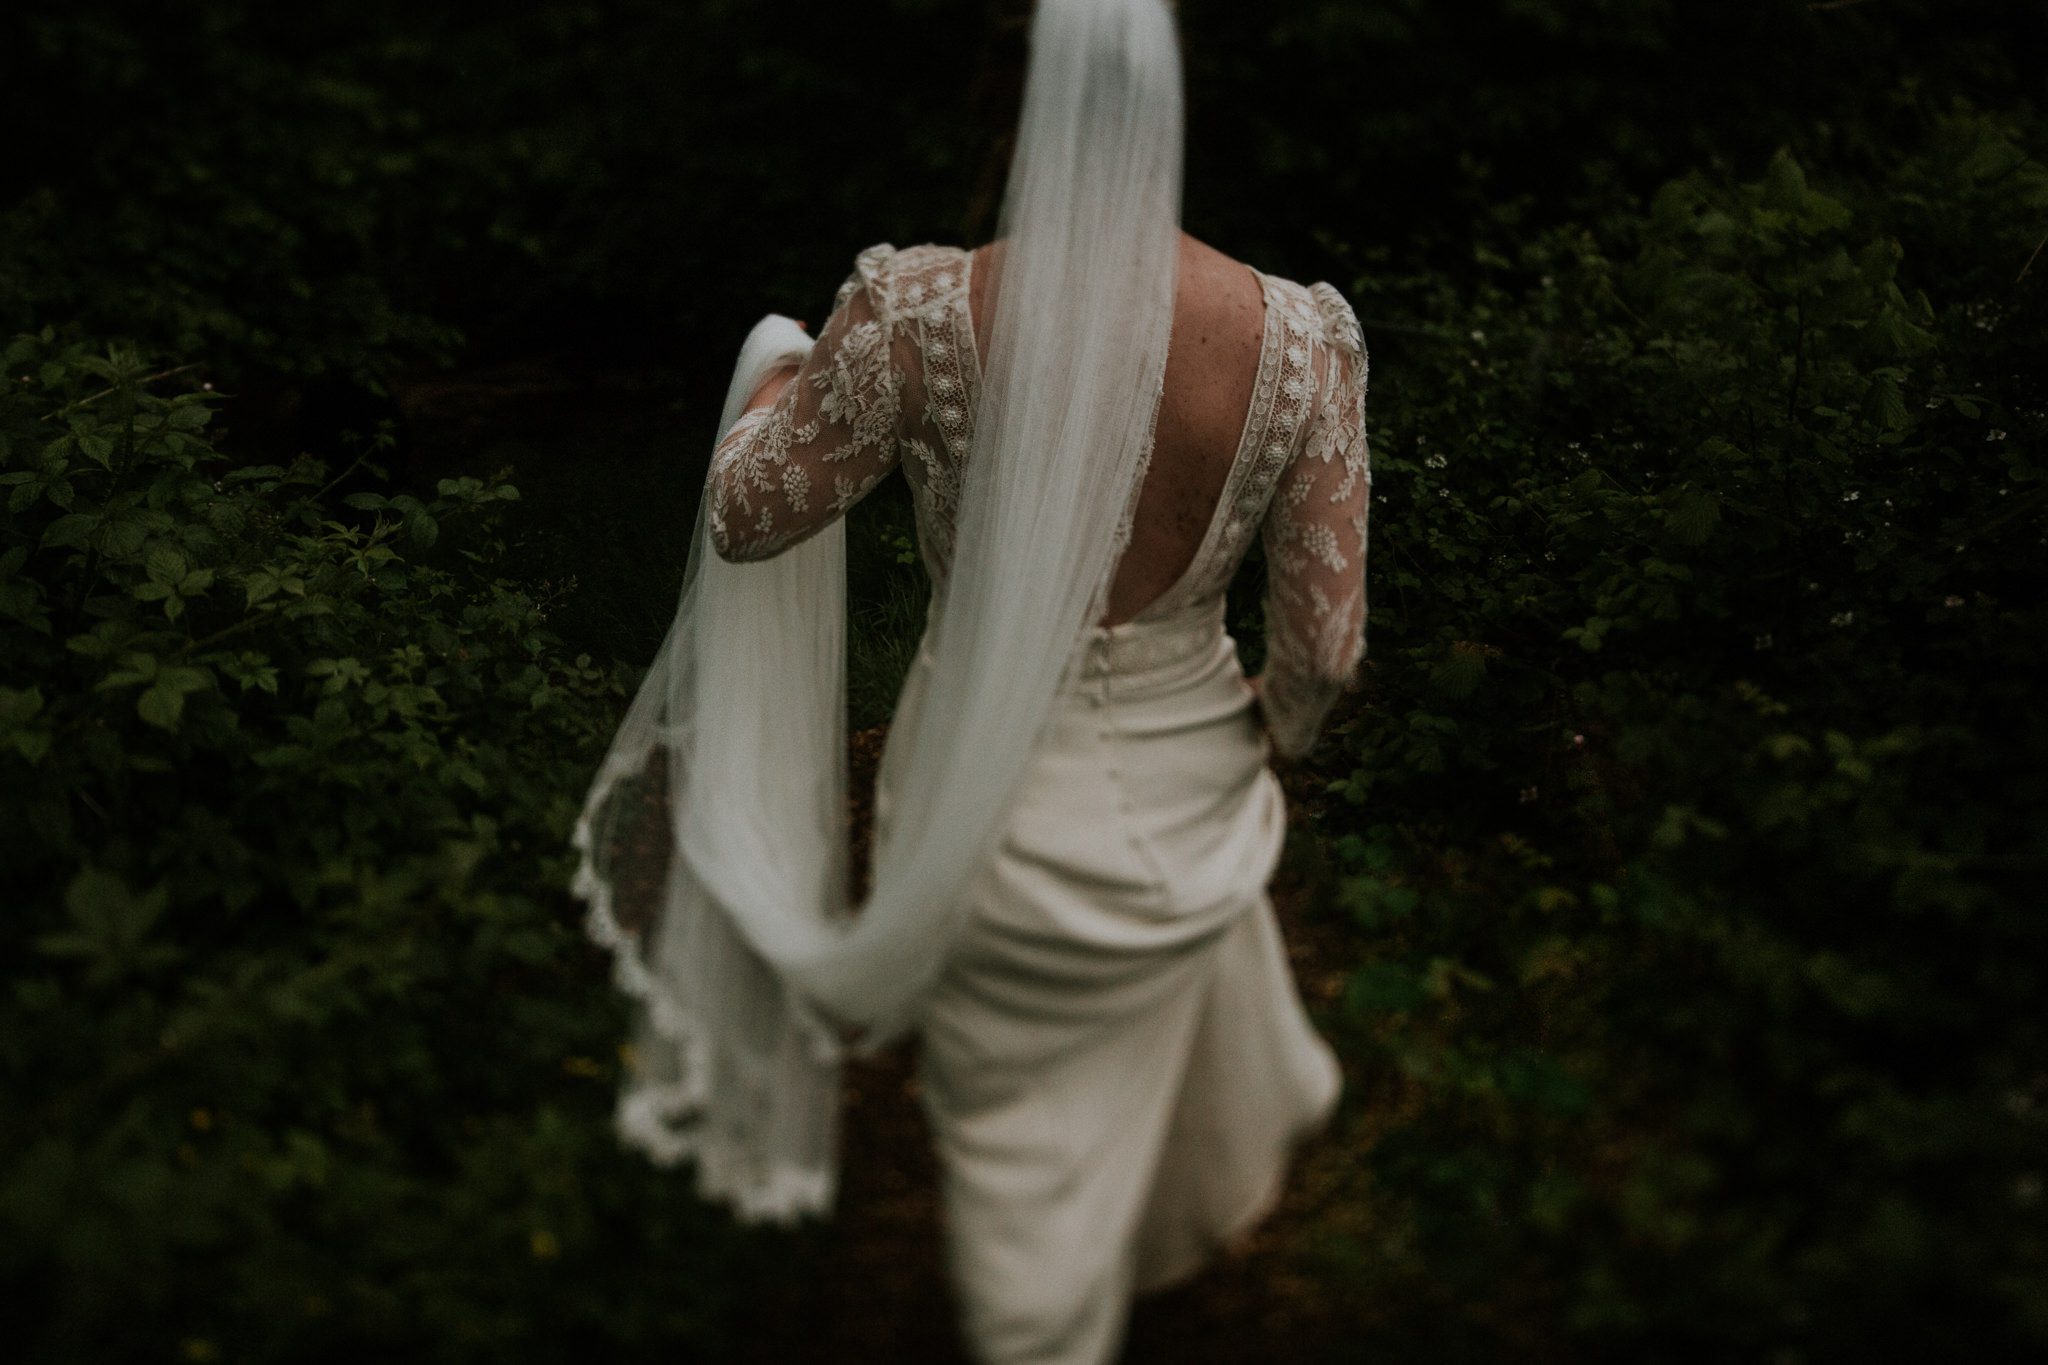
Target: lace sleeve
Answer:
pixel 786 470
pixel 1314 536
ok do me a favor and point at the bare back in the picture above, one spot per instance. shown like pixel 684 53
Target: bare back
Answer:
pixel 1211 368
pixel 1261 432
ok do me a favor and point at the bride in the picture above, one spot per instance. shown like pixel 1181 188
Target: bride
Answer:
pixel 1076 819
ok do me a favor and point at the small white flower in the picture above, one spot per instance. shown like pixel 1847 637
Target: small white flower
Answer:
pixel 1478 336
pixel 1436 461
pixel 1578 741
pixel 1996 435
pixel 1842 618
pixel 1951 601
pixel 1851 496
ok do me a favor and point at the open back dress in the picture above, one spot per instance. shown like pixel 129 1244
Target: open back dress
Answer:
pixel 1116 1062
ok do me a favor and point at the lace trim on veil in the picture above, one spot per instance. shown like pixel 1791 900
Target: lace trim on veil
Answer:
pixel 656 1117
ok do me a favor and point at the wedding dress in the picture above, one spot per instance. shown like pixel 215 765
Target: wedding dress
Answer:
pixel 1075 824
pixel 1115 1060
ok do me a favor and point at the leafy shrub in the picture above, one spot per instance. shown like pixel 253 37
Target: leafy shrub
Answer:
pixel 304 1056
pixel 1695 813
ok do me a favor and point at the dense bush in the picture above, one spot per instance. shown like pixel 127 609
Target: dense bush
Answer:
pixel 1678 858
pixel 343 189
pixel 1695 825
pixel 302 1056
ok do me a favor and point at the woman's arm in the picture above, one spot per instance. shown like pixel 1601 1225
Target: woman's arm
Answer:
pixel 816 437
pixel 1315 538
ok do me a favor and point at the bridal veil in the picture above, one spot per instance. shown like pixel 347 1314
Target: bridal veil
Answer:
pixel 747 959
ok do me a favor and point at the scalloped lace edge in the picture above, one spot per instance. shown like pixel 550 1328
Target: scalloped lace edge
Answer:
pixel 648 1116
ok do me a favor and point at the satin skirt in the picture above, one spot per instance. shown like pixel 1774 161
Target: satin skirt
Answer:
pixel 1116 1063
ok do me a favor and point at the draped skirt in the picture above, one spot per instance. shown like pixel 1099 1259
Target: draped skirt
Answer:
pixel 1116 1063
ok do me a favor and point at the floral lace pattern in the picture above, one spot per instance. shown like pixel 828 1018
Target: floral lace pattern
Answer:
pixel 895 373
pixel 1314 532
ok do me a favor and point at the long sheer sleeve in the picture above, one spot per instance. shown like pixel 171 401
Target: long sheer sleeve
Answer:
pixel 786 470
pixel 1314 536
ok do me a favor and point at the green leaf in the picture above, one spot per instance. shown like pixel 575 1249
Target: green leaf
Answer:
pixel 110 924
pixel 98 447
pixel 73 530
pixel 1459 673
pixel 1694 516
pixel 165 564
pixel 161 705
pixel 18 707
pixel 184 678
pixel 135 667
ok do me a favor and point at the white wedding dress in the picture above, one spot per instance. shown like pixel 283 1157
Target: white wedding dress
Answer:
pixel 1115 1062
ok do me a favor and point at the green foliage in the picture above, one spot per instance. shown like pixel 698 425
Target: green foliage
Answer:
pixel 1694 822
pixel 303 1053
pixel 1683 848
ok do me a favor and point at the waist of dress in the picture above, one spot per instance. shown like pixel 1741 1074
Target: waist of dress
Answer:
pixel 1139 656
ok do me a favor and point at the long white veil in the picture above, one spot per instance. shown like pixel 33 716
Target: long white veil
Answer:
pixel 738 938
